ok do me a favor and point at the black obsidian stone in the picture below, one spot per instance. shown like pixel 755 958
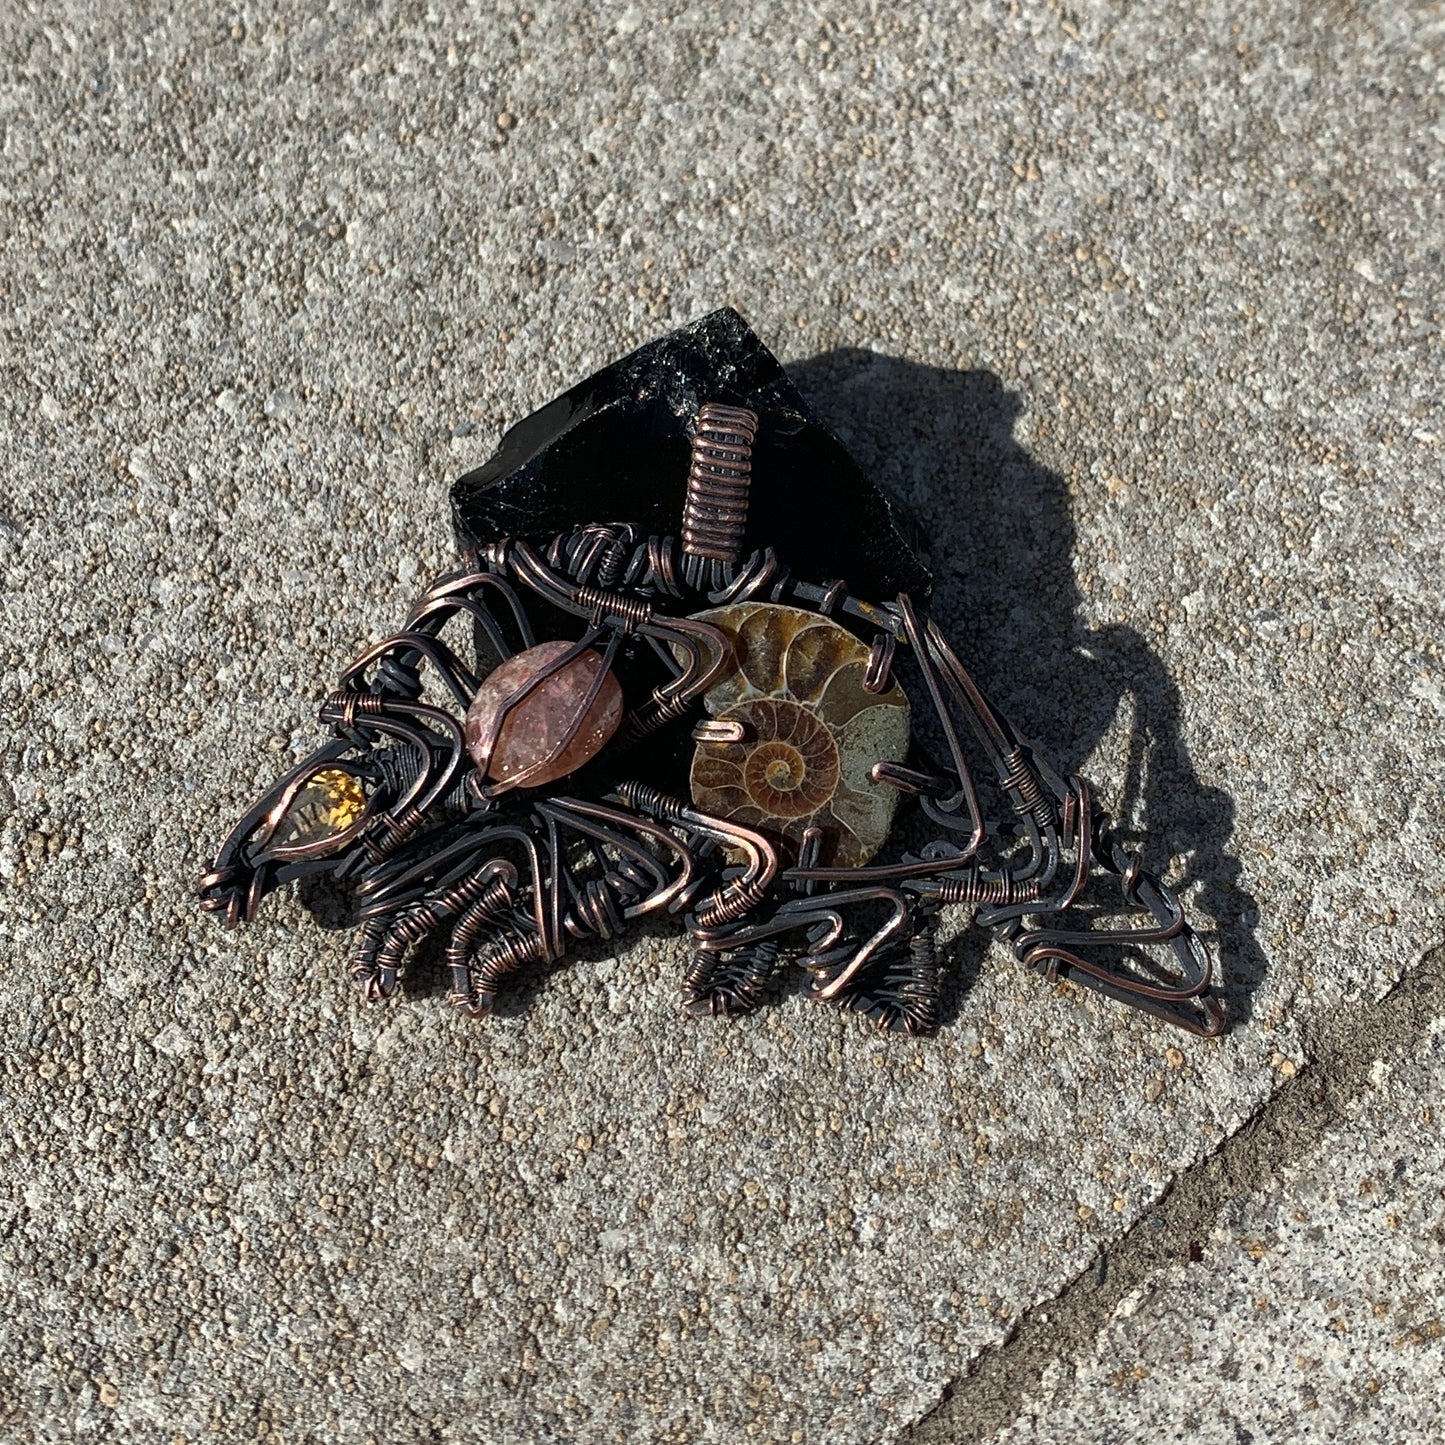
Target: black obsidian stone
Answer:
pixel 616 448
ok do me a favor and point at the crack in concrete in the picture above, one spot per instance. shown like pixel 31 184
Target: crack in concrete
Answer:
pixel 1341 1049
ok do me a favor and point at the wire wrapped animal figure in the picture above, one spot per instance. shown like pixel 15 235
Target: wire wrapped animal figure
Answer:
pixel 845 780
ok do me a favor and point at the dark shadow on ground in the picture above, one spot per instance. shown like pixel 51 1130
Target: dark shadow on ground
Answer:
pixel 1003 540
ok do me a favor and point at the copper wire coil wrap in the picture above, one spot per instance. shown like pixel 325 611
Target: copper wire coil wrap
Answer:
pixel 1021 775
pixel 484 890
pixel 431 853
pixel 364 970
pixel 392 833
pixel 495 900
pixel 346 704
pixel 998 891
pixel 760 573
pixel 644 798
pixel 632 610
pixel 510 952
pixel 402 936
pixel 729 983
pixel 915 989
pixel 716 511
pixel 730 902
pixel 656 712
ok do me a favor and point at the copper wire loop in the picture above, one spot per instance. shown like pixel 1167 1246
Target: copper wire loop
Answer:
pixel 835 593
pixel 715 513
pixel 879 673
pixel 345 706
pixel 910 780
pixel 719 730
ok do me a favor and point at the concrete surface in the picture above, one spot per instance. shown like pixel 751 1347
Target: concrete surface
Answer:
pixel 1313 1310
pixel 1139 308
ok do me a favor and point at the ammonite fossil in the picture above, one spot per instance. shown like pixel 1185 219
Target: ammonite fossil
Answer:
pixel 799 733
pixel 711 709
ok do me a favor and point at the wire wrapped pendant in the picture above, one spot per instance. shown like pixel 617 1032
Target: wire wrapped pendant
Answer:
pixel 711 708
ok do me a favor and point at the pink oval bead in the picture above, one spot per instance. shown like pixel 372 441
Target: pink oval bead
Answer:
pixel 539 713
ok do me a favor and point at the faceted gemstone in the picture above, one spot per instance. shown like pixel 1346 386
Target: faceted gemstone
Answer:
pixel 328 804
pixel 530 722
pixel 617 447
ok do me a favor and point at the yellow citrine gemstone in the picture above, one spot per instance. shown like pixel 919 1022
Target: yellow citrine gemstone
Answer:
pixel 330 802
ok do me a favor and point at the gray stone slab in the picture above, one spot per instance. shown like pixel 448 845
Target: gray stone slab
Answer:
pixel 1313 1312
pixel 1140 311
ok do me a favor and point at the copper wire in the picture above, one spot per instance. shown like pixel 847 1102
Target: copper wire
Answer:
pixel 715 513
pixel 518 880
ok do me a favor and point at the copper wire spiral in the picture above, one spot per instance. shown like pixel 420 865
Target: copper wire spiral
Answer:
pixel 1035 801
pixel 644 798
pixel 364 972
pixel 400 938
pixel 494 900
pixel 716 511
pixel 731 983
pixel 996 891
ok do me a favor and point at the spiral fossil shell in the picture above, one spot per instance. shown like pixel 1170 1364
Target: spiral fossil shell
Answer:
pixel 810 733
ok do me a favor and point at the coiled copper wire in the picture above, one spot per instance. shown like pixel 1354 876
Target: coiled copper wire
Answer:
pixel 633 610
pixel 729 983
pixel 993 891
pixel 1021 775
pixel 731 901
pixel 509 953
pixel 716 511
pixel 914 992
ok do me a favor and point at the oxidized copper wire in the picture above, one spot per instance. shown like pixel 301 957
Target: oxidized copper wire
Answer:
pixel 715 512
pixel 512 875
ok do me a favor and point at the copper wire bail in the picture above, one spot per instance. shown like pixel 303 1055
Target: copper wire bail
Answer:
pixel 716 511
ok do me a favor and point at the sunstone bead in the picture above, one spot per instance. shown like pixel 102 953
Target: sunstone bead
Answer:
pixel 522 715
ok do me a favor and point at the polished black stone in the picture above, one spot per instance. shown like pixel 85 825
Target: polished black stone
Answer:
pixel 616 448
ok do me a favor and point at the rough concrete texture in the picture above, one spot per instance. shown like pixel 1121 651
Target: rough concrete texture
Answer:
pixel 1138 308
pixel 1313 1311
